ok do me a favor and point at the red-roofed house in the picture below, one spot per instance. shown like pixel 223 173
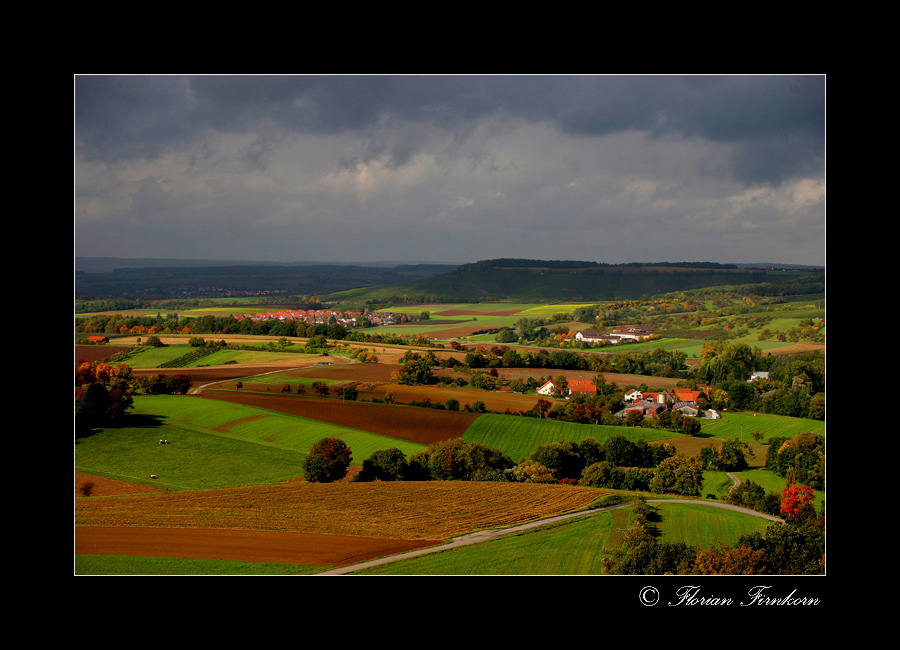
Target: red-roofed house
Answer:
pixel 686 395
pixel 549 388
pixel 585 387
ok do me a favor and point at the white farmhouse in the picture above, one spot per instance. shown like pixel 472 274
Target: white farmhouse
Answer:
pixel 634 333
pixel 549 388
pixel 594 336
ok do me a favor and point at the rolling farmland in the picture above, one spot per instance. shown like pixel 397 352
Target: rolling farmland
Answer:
pixel 229 478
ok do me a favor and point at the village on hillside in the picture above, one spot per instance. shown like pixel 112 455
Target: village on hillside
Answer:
pixel 348 319
pixel 645 404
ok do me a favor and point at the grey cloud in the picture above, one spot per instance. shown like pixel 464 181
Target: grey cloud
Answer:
pixel 139 115
pixel 486 165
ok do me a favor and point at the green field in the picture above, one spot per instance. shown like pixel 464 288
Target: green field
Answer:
pixel 741 425
pixel 213 444
pixel 576 546
pixel 149 357
pixel 519 436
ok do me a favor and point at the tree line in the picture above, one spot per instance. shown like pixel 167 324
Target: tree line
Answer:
pixel 618 463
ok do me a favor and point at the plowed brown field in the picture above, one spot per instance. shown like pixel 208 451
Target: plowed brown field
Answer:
pixel 424 426
pixel 96 352
pixel 239 545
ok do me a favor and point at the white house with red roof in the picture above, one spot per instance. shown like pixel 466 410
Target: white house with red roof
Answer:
pixel 549 388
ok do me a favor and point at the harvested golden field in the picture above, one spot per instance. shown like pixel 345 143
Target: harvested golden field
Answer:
pixel 385 510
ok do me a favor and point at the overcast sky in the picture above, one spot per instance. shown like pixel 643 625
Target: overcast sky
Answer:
pixel 451 169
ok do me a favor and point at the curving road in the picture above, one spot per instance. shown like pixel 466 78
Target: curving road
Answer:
pixel 485 535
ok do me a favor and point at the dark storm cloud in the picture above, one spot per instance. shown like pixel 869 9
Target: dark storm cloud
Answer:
pixel 778 117
pixel 283 167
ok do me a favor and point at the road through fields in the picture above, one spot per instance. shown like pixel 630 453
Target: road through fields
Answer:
pixel 486 535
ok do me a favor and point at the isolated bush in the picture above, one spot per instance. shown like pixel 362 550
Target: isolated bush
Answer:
pixel 327 461
pixel 85 488
pixel 728 456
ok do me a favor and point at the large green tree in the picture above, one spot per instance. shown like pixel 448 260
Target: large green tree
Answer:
pixel 678 475
pixel 458 460
pixel 384 465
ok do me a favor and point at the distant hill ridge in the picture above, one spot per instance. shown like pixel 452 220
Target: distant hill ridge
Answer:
pixel 502 279
pixel 528 280
pixel 570 265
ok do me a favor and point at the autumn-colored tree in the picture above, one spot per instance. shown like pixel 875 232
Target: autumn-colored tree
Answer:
pixel 530 471
pixel 327 461
pixel 181 384
pixel 797 501
pixel 722 560
pixel 542 406
pixel 101 372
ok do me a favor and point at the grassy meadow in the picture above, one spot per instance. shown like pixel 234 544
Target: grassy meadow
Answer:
pixel 576 546
pixel 519 436
pixel 742 425
pixel 212 444
pixel 149 357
